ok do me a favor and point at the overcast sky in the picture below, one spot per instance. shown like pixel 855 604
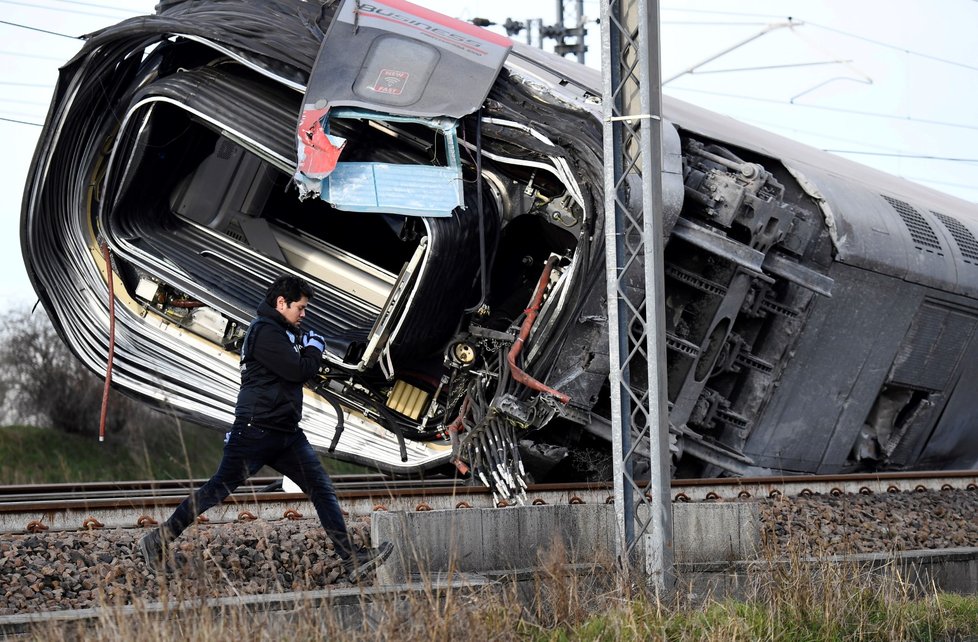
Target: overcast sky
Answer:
pixel 888 83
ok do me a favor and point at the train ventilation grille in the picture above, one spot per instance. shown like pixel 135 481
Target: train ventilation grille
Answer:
pixel 934 345
pixel 962 236
pixel 920 230
pixel 234 231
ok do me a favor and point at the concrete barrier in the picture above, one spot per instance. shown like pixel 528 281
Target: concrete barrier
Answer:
pixel 480 540
pixel 953 570
pixel 717 547
pixel 705 532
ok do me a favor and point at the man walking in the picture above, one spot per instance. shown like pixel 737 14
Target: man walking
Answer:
pixel 276 359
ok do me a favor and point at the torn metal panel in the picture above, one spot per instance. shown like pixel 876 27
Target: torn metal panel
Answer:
pixel 317 152
pixel 394 56
pixel 412 190
pixel 398 58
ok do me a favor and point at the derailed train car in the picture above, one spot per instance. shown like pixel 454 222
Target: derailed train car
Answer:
pixel 442 193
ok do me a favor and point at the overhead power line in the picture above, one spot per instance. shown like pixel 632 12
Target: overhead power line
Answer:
pixel 915 156
pixel 820 135
pixel 53 33
pixel 60 10
pixel 20 122
pixel 769 16
pixel 793 65
pixel 925 179
pixel 800 21
pixel 97 6
pixel 895 47
pixel 703 23
pixel 558 31
pixel 11 83
pixel 841 110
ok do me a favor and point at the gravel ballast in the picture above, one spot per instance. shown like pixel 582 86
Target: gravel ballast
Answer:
pixel 873 523
pixel 62 570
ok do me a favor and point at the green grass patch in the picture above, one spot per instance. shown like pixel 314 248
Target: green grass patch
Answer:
pixel 937 618
pixel 32 455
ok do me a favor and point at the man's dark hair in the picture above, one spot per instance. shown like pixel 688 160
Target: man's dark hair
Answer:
pixel 291 287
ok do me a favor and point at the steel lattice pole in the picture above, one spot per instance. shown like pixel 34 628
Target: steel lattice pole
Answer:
pixel 634 246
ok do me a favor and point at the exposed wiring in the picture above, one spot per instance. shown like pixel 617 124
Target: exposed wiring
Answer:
pixel 483 268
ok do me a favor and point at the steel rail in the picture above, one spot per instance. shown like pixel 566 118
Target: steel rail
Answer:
pixel 361 496
pixel 136 488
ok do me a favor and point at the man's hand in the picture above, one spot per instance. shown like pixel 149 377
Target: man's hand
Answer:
pixel 310 338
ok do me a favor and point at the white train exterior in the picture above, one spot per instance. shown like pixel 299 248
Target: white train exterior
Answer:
pixel 820 315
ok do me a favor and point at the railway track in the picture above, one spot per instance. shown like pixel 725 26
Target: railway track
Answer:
pixel 43 507
pixel 75 567
pixel 123 490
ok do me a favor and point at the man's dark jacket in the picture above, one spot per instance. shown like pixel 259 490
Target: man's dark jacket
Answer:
pixel 274 366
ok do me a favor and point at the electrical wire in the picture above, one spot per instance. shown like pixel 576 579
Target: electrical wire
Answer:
pixel 725 13
pixel 841 110
pixel 20 122
pixel 38 29
pixel 15 101
pixel 890 151
pixel 42 85
pixel 700 23
pixel 795 65
pixel 55 9
pixel 886 45
pixel 847 34
pixel 98 6
pixel 781 127
pixel 914 156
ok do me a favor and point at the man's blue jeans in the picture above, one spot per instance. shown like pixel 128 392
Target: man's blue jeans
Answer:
pixel 247 450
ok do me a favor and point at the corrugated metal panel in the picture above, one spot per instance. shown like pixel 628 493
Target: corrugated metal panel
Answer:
pixel 933 347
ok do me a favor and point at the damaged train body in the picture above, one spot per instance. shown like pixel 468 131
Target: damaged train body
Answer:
pixel 441 189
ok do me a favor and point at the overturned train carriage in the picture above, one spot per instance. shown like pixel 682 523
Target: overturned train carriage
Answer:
pixel 820 316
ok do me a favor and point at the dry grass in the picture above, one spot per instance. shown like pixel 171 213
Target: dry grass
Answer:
pixel 784 599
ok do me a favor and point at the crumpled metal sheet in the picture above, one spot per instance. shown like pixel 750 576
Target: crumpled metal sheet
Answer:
pixel 396 57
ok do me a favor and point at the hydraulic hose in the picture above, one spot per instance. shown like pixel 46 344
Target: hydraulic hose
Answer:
pixel 531 315
pixel 108 364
